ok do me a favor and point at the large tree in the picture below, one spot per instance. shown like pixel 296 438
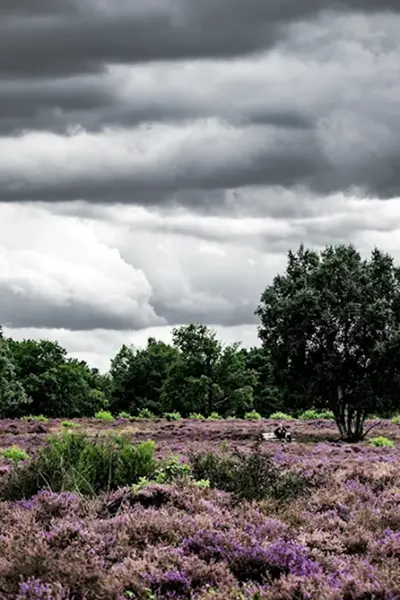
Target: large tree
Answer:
pixel 13 399
pixel 331 327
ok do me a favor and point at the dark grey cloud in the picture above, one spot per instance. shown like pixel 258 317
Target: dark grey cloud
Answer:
pixel 94 34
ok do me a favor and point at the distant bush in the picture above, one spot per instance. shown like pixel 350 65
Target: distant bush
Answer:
pixel 145 413
pixel 35 418
pixel 73 462
pixel 14 453
pixel 396 420
pixel 197 417
pixel 253 415
pixel 104 415
pixel 281 416
pixel 214 416
pixel 124 415
pixel 312 415
pixel 247 476
pixel 70 425
pixel 172 416
pixel 381 442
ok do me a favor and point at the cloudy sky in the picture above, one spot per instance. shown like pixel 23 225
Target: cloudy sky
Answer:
pixel 158 158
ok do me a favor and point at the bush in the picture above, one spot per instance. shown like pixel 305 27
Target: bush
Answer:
pixel 281 416
pixel 70 425
pixel 124 415
pixel 396 420
pixel 36 418
pixel 247 476
pixel 73 462
pixel 381 442
pixel 312 415
pixel 214 416
pixel 172 416
pixel 145 413
pixel 14 453
pixel 197 417
pixel 253 415
pixel 104 415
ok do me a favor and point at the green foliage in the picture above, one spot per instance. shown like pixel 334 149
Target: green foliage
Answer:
pixel 280 416
pixel 145 413
pixel 74 462
pixel 253 415
pixel 124 415
pixel 171 470
pixel 214 416
pixel 104 415
pixel 396 420
pixel 14 453
pixel 331 327
pixel 13 398
pixel 381 442
pixel 35 418
pixel 248 476
pixel 70 425
pixel 197 417
pixel 312 414
pixel 172 416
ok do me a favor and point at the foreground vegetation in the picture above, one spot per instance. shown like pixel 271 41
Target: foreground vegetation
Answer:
pixel 202 512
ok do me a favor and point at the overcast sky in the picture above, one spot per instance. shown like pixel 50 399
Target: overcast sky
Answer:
pixel 158 158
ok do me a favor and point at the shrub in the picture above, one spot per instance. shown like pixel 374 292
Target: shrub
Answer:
pixel 14 453
pixel 396 420
pixel 73 462
pixel 70 425
pixel 247 476
pixel 36 418
pixel 172 469
pixel 253 415
pixel 172 416
pixel 145 413
pixel 281 416
pixel 104 415
pixel 197 417
pixel 312 415
pixel 214 416
pixel 381 442
pixel 124 415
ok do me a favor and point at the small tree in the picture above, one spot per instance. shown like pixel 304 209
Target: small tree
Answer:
pixel 331 327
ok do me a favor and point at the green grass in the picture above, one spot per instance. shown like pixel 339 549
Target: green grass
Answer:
pixel 14 453
pixel 381 442
pixel 280 416
pixel 124 415
pixel 35 418
pixel 197 417
pixel 145 413
pixel 312 415
pixel 172 416
pixel 214 416
pixel 253 415
pixel 70 425
pixel 396 420
pixel 104 415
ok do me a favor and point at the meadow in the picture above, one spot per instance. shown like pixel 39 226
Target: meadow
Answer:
pixel 336 538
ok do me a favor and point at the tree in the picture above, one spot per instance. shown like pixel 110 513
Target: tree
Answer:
pixel 207 377
pixel 331 328
pixel 13 399
pixel 137 376
pixel 268 398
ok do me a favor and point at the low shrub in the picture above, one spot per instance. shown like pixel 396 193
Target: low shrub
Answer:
pixel 313 415
pixel 253 415
pixel 280 416
pixel 73 462
pixel 70 425
pixel 35 418
pixel 172 416
pixel 104 415
pixel 145 413
pixel 124 415
pixel 396 420
pixel 14 453
pixel 197 417
pixel 248 476
pixel 214 416
pixel 381 442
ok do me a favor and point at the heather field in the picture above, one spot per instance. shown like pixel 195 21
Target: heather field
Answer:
pixel 336 538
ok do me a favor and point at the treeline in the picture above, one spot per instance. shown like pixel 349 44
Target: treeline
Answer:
pixel 195 374
pixel 330 333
